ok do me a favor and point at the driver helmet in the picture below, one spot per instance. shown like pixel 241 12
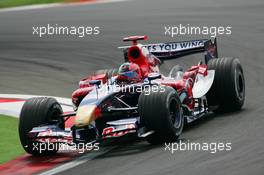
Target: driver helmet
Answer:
pixel 129 72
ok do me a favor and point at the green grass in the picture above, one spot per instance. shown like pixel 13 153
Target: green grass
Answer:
pixel 14 3
pixel 10 146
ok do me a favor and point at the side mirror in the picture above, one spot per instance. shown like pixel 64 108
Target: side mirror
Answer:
pixel 95 82
pixel 153 76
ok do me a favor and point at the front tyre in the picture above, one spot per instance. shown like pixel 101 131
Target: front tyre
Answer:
pixel 35 112
pixel 161 111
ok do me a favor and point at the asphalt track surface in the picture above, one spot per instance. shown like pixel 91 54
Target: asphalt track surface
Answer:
pixel 53 66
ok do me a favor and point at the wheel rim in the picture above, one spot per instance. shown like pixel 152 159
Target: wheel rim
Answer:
pixel 175 115
pixel 240 84
pixel 54 116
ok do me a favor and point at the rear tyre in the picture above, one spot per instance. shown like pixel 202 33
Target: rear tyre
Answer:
pixel 228 89
pixel 161 111
pixel 35 112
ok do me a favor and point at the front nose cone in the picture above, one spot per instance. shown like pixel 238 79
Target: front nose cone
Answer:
pixel 85 115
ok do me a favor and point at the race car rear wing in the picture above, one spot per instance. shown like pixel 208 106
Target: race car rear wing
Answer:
pixel 172 50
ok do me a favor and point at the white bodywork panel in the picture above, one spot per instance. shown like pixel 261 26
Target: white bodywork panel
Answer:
pixel 203 84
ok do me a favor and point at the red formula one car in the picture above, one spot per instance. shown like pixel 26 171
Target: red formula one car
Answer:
pixel 136 99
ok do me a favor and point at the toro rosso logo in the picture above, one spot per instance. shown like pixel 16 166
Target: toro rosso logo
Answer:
pixel 118 131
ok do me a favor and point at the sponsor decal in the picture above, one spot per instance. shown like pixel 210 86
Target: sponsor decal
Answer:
pixel 118 131
pixel 176 46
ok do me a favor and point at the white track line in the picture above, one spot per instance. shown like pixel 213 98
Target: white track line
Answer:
pixel 78 161
pixel 13 108
pixel 42 6
pixel 66 101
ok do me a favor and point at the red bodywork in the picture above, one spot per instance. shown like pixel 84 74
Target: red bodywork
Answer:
pixel 85 87
pixel 148 63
